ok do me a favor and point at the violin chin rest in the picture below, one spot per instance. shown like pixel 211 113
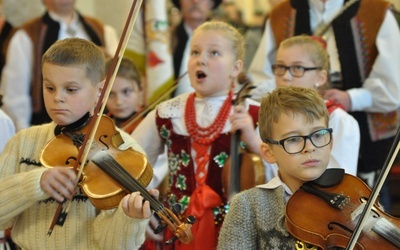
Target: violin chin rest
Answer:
pixel 331 177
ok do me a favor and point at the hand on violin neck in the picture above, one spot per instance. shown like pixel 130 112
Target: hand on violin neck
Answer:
pixel 135 206
pixel 59 183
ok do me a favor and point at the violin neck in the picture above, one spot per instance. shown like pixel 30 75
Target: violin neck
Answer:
pixel 234 175
pixel 111 167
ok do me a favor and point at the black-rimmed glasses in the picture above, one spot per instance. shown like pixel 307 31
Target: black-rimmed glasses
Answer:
pixel 295 70
pixel 296 144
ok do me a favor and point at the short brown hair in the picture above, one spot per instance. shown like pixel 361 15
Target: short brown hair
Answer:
pixel 127 69
pixel 290 100
pixel 77 52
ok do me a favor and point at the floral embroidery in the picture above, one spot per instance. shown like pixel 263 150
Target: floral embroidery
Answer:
pixel 181 182
pixel 172 199
pixel 173 163
pixel 185 158
pixel 184 201
pixel 220 159
pixel 164 132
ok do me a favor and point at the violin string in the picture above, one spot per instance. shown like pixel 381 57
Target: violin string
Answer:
pixel 118 173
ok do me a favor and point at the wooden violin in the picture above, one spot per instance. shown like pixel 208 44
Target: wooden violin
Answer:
pixel 110 173
pixel 242 170
pixel 325 212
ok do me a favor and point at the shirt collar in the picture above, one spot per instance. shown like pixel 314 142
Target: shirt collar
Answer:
pixel 275 183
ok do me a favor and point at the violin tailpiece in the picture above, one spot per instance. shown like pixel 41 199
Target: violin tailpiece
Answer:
pixel 337 201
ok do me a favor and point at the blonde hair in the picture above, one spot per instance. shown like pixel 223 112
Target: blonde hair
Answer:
pixel 127 69
pixel 318 54
pixel 77 52
pixel 231 33
pixel 290 100
pixel 228 31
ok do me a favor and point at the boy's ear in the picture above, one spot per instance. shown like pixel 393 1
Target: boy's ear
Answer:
pixel 267 154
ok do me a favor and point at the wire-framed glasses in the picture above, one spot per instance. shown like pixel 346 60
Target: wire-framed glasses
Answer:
pixel 296 144
pixel 295 70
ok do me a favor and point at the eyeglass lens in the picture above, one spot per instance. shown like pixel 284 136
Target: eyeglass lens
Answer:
pixel 296 144
pixel 294 70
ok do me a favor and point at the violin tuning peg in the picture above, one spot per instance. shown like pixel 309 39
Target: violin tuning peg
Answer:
pixel 176 208
pixel 191 219
pixel 159 228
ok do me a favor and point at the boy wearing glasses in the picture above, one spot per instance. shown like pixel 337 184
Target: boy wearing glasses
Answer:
pixel 303 61
pixel 293 123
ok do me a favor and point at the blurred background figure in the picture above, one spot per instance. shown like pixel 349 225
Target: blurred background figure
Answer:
pixel 125 98
pixel 6 30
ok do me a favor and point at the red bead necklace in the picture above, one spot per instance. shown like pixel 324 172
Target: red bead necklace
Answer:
pixel 208 134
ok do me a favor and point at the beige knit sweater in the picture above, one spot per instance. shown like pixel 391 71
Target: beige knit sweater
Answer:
pixel 26 208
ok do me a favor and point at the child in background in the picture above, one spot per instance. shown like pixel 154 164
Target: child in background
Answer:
pixel 293 125
pixel 195 127
pixel 125 98
pixel 73 71
pixel 303 61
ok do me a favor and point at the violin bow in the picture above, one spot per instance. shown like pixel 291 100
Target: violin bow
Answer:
pixel 394 150
pixel 155 102
pixel 61 212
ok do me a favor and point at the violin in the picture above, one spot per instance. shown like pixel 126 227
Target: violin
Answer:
pixel 110 173
pixel 325 212
pixel 102 190
pixel 242 170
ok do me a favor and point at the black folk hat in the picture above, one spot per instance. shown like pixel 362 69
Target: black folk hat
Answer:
pixel 177 3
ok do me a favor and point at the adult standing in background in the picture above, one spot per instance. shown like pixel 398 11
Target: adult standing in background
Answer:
pixel 193 14
pixel 6 31
pixel 362 44
pixel 21 83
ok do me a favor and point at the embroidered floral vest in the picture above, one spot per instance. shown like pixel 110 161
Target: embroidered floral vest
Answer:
pixel 182 181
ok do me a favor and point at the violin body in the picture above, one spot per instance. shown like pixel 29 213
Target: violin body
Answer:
pixel 103 191
pixel 311 219
pixel 251 172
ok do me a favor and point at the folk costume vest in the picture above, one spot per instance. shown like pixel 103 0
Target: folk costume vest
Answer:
pixel 43 32
pixel 182 176
pixel 355 34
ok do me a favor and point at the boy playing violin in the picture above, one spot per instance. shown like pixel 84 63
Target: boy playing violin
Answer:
pixel 73 71
pixel 293 123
